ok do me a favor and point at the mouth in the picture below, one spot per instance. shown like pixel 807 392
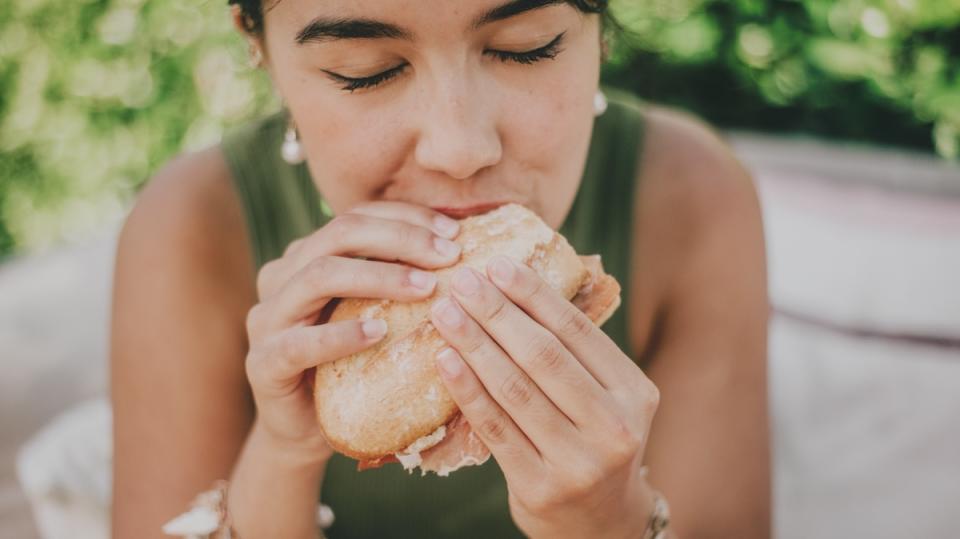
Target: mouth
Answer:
pixel 462 212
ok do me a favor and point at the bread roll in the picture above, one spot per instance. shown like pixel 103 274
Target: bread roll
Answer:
pixel 385 399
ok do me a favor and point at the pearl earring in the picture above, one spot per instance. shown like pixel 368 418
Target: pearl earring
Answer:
pixel 292 150
pixel 599 103
pixel 256 57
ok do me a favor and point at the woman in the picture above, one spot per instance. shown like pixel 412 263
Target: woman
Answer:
pixel 398 113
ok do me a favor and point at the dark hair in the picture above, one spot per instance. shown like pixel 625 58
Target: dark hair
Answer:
pixel 252 11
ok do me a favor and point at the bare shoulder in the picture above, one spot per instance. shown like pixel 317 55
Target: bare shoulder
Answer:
pixel 692 170
pixel 183 283
pixel 697 215
pixel 700 271
pixel 190 204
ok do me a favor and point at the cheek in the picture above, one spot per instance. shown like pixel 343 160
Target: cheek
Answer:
pixel 548 127
pixel 549 137
pixel 552 111
pixel 351 153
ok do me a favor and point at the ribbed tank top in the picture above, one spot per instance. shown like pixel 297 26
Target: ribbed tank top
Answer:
pixel 281 203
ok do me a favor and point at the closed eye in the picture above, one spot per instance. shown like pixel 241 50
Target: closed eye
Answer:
pixel 351 84
pixel 546 52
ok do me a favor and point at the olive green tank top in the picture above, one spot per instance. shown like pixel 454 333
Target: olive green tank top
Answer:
pixel 281 203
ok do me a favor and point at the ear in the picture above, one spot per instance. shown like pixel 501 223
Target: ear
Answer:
pixel 240 22
pixel 243 25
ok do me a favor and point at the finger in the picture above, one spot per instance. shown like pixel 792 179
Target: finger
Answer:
pixel 585 340
pixel 542 422
pixel 411 213
pixel 276 366
pixel 302 297
pixel 533 348
pixel 515 454
pixel 356 235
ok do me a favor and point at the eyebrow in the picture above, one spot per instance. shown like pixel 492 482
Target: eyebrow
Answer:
pixel 511 9
pixel 320 29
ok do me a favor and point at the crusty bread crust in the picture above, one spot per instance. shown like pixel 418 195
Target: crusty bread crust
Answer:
pixel 599 296
pixel 379 401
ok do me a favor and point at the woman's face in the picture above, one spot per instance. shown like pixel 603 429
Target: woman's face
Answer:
pixel 437 102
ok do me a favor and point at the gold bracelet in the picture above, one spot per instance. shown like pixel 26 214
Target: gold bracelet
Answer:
pixel 208 516
pixel 659 518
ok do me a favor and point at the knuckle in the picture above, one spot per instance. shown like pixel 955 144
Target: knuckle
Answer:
pixel 292 247
pixel 288 348
pixel 342 226
pixel 546 354
pixel 494 429
pixel 575 324
pixel 254 320
pixel 539 501
pixel 651 397
pixel 624 443
pixel 472 397
pixel 582 481
pixel 532 287
pixel 404 234
pixel 498 313
pixel 517 389
pixel 252 365
pixel 356 279
pixel 568 488
pixel 317 271
pixel 265 278
pixel 472 345
pixel 548 498
pixel 263 366
pixel 384 273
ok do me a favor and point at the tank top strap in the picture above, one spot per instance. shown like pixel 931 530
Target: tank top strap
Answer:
pixel 280 201
pixel 600 220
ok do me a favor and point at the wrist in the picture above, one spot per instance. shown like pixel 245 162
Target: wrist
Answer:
pixel 650 510
pixel 655 511
pixel 275 487
pixel 312 455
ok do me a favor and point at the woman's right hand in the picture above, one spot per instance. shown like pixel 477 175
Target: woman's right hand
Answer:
pixel 285 344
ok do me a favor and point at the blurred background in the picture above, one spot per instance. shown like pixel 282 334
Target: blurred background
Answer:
pixel 846 111
pixel 96 94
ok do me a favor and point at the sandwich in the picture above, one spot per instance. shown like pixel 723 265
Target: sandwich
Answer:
pixel 387 403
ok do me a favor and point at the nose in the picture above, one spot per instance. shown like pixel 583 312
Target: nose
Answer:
pixel 458 134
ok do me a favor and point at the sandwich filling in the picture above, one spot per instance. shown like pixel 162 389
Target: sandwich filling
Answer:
pixel 410 457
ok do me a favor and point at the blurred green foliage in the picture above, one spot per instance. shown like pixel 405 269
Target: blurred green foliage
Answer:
pixel 884 71
pixel 96 94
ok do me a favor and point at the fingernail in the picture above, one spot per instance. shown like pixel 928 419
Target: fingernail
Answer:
pixel 446 226
pixel 450 362
pixel 448 312
pixel 446 248
pixel 465 281
pixel 502 270
pixel 422 279
pixel 374 328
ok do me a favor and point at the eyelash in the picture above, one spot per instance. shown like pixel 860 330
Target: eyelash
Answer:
pixel 546 52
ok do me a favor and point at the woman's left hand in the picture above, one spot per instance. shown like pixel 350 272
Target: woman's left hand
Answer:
pixel 563 410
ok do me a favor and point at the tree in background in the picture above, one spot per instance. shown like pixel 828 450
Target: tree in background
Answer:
pixel 885 71
pixel 96 94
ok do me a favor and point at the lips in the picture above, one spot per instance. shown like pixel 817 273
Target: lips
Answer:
pixel 461 212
